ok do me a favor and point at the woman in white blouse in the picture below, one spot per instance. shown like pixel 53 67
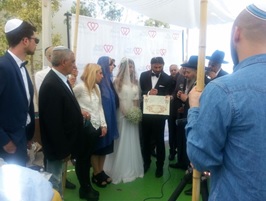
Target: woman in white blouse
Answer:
pixel 89 98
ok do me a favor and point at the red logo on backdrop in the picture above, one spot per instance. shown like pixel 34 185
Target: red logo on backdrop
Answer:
pixel 93 26
pixel 125 31
pixel 137 50
pixel 152 33
pixel 148 67
pixel 162 51
pixel 175 36
pixel 108 48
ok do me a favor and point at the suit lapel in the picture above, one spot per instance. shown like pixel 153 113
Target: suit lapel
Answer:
pixel 19 75
pixel 149 83
pixel 71 94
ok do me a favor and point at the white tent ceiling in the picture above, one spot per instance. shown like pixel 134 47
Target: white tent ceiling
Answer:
pixel 185 13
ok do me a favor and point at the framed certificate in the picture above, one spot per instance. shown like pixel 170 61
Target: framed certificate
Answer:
pixel 158 105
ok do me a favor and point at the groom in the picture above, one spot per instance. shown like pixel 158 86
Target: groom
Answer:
pixel 154 82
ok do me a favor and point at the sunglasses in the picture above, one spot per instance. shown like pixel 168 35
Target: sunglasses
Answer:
pixel 36 40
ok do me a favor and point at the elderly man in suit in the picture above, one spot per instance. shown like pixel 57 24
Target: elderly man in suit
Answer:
pixel 16 92
pixel 61 120
pixel 214 68
pixel 154 82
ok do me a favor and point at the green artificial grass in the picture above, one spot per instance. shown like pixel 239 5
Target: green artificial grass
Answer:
pixel 148 188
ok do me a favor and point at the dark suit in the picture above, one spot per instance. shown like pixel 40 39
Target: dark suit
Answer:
pixel 181 121
pixel 153 125
pixel 221 73
pixel 174 105
pixel 14 108
pixel 60 118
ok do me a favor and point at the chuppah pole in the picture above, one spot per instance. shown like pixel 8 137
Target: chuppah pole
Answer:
pixel 76 27
pixel 200 83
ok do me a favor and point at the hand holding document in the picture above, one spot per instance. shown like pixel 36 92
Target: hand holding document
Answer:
pixel 157 105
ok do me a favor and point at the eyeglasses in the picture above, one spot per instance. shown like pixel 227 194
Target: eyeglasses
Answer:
pixel 36 40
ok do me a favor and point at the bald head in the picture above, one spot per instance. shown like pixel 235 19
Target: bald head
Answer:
pixel 173 70
pixel 248 34
pixel 48 53
pixel 253 28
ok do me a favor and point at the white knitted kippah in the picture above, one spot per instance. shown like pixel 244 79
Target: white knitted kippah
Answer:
pixel 12 25
pixel 258 10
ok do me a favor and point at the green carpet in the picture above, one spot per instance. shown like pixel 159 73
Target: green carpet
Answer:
pixel 148 188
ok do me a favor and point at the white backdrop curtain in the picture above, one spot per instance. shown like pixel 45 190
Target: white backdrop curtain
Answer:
pixel 98 38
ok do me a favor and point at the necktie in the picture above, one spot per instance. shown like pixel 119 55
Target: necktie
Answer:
pixel 69 85
pixel 153 74
pixel 23 64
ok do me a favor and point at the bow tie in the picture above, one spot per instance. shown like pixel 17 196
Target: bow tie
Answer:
pixel 23 64
pixel 153 74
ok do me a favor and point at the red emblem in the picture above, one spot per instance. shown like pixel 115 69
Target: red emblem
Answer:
pixel 152 33
pixel 93 26
pixel 125 31
pixel 163 52
pixel 137 50
pixel 108 48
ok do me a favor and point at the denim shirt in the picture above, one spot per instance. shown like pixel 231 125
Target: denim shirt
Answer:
pixel 227 133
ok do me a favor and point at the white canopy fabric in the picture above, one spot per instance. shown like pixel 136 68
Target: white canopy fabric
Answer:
pixel 185 13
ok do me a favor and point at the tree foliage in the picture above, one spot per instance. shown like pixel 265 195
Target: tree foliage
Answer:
pixel 111 11
pixel 29 10
pixel 86 9
pixel 100 9
pixel 156 23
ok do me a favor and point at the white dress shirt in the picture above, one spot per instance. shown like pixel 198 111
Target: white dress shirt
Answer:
pixel 39 77
pixel 25 81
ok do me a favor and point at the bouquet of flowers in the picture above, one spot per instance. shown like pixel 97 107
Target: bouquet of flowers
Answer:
pixel 134 115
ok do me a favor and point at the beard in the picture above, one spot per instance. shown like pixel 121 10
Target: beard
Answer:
pixel 30 52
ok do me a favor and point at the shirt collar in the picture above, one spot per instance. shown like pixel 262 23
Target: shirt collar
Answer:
pixel 259 58
pixel 60 75
pixel 17 60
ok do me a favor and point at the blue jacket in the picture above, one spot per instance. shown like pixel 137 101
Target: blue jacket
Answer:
pixel 13 102
pixel 227 133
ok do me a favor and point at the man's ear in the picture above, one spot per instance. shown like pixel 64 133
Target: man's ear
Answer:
pixel 236 34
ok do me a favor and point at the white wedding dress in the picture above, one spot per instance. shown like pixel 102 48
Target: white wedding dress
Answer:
pixel 125 164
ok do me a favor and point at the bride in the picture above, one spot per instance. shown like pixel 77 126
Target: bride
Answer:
pixel 125 164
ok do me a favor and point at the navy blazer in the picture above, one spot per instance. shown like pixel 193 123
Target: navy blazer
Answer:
pixel 14 104
pixel 60 118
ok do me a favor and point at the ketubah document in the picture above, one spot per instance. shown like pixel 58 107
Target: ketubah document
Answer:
pixel 158 105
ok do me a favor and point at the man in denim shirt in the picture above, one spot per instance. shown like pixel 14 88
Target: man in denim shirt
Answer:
pixel 226 130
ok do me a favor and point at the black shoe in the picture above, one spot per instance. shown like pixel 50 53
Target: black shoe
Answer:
pixel 171 157
pixel 70 185
pixel 188 191
pixel 93 190
pixel 159 172
pixel 178 166
pixel 88 194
